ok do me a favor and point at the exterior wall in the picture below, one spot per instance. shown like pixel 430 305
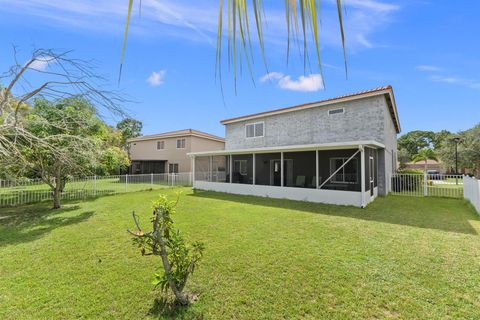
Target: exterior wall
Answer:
pixel 389 161
pixel 302 194
pixel 363 120
pixel 147 150
pixel 201 144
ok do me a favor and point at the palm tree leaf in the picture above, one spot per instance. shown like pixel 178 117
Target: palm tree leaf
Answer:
pixel 125 34
pixel 340 21
pixel 238 29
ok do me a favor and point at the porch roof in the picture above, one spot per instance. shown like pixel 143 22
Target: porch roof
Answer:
pixel 303 147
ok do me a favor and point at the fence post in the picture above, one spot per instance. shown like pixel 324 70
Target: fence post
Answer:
pixel 151 179
pixel 95 185
pixel 126 182
pixel 425 189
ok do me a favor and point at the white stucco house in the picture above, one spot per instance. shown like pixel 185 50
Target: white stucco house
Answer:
pixel 339 151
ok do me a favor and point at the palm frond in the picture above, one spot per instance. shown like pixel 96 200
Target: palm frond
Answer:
pixel 301 17
pixel 125 34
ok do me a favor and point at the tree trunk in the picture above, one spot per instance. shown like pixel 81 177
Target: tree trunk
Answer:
pixel 179 295
pixel 57 191
pixel 56 198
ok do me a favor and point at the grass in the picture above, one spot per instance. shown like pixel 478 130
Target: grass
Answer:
pixel 401 257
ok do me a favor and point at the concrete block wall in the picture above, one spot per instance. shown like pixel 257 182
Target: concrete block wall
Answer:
pixel 363 119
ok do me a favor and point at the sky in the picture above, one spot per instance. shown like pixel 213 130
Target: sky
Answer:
pixel 427 50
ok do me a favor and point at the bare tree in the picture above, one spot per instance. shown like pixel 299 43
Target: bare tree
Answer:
pixel 61 77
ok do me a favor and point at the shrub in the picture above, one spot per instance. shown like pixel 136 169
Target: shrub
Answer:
pixel 179 259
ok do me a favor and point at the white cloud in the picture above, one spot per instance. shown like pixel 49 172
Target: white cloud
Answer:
pixel 158 17
pixel 363 19
pixel 41 63
pixel 310 83
pixel 271 76
pixel 373 5
pixel 468 83
pixel 156 78
pixel 427 68
pixel 197 20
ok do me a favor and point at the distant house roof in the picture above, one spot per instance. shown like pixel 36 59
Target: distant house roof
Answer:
pixel 422 162
pixel 387 91
pixel 178 133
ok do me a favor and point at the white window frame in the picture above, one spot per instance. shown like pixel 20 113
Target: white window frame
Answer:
pixel 242 161
pixel 342 171
pixel 336 113
pixel 254 127
pixel 184 143
pixel 163 145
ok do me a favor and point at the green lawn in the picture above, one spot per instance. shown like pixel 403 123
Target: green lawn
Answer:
pixel 401 257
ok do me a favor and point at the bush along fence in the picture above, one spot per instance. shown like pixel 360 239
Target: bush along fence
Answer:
pixel 427 185
pixel 471 191
pixel 24 191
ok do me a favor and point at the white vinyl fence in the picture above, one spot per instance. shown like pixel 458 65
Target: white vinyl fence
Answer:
pixel 427 185
pixel 471 191
pixel 23 191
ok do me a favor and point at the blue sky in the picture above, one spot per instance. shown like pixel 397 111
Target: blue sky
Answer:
pixel 427 50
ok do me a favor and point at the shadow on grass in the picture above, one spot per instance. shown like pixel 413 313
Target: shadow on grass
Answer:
pixel 28 223
pixel 452 215
pixel 165 308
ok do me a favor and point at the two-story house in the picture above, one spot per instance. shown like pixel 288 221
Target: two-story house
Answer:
pixel 340 151
pixel 167 152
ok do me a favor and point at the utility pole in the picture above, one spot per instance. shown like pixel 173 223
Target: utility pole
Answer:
pixel 457 141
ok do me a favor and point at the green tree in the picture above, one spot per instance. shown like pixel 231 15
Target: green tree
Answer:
pixel 425 154
pixel 113 160
pixel 403 158
pixel 129 128
pixel 471 149
pixel 439 138
pixel 415 140
pixel 75 141
pixel 468 151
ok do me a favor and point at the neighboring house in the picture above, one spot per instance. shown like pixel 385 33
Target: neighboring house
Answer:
pixel 431 165
pixel 341 151
pixel 167 152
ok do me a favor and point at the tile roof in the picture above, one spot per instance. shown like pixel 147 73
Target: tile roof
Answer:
pixel 178 133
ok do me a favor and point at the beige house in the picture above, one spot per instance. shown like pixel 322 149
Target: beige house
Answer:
pixel 167 152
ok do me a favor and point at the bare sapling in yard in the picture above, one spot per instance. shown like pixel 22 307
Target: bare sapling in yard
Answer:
pixel 179 259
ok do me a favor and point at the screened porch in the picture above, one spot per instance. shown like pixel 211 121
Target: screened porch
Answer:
pixel 314 174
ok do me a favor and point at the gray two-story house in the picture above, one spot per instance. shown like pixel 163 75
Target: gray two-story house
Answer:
pixel 340 151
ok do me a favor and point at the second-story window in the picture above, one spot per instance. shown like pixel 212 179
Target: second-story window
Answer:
pixel 180 143
pixel 254 129
pixel 160 145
